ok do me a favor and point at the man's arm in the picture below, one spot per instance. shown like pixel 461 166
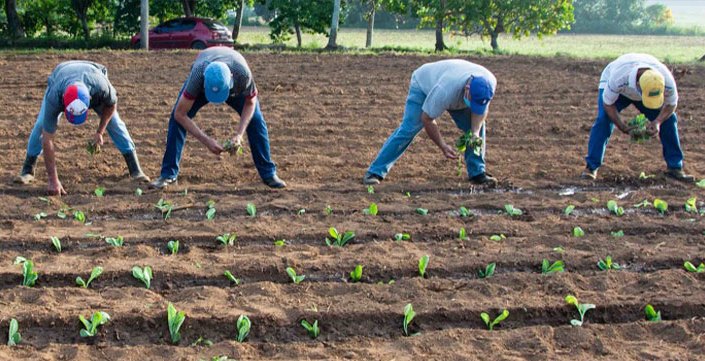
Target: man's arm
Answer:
pixel 431 128
pixel 181 116
pixel 477 121
pixel 245 116
pixel 613 115
pixel 54 186
pixel 665 113
pixel 105 117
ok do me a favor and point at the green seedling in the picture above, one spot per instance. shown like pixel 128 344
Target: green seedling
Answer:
pixel 465 141
pixel 44 199
pixel 409 315
pixel 639 134
pixel 559 249
pixel 402 237
pixel 92 148
pixel 56 242
pixel 615 208
pixel 547 267
pixel 578 232
pixel 328 210
pixel 423 263
pixel 497 237
pixel 232 278
pixel 422 211
pixel 280 243
pixel 651 314
pixel 301 211
pixel 173 247
pixel 97 271
pixel 371 210
pixel 91 327
pixel 210 210
pixel 511 211
pixel 568 210
pixel 61 213
pixel 232 148
pixel 115 241
pixel 487 272
pixel 13 335
pixel 243 328
pixel 251 209
pixel 660 205
pixel 165 207
pixel 371 189
pixel 99 191
pixel 691 205
pixel 407 194
pixel 143 274
pixel 227 239
pixel 607 264
pixel 582 309
pixel 139 192
pixel 701 183
pixel 617 234
pixel 645 203
pixel 490 325
pixel 464 212
pixel 356 274
pixel 644 176
pixel 311 328
pixel 293 276
pixel 79 216
pixel 691 268
pixel 339 239
pixel 29 275
pixel 463 234
pixel 175 319
pixel 39 216
pixel 208 343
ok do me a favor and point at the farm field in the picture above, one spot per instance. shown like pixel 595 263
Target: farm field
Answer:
pixel 328 115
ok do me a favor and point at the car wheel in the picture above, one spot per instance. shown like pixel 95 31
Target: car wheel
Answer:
pixel 198 45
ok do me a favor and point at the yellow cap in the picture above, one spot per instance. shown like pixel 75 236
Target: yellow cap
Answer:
pixel 652 85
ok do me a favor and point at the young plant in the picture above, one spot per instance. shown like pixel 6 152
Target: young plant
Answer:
pixel 463 234
pixel 165 207
pixel 511 211
pixel 651 314
pixel 356 274
pixel 97 271
pixel 645 204
pixel 497 237
pixel 701 183
pixel 293 276
pixel 138 191
pixel 280 242
pixel 402 237
pixel 422 211
pixel 56 242
pixel 691 205
pixel 582 309
pixel 232 148
pixel 92 148
pixel 644 176
pixel 613 207
pixel 617 234
pixel 40 215
pixel 79 216
pixel 91 326
pixel 691 268
pixel 173 247
pixel 338 239
pixel 99 191
pixel 660 205
pixel 328 210
pixel 210 210
pixel 490 325
pixel 115 242
pixel 465 141
pixel 232 278
pixel 143 274
pixel 569 209
pixel 409 315
pixel 607 264
pixel 13 335
pixel 371 210
pixel 487 272
pixel 243 327
pixel 371 189
pixel 175 319
pixel 578 232
pixel 464 212
pixel 639 134
pixel 423 263
pixel 311 328
pixel 548 267
pixel 30 276
pixel 227 239
pixel 251 209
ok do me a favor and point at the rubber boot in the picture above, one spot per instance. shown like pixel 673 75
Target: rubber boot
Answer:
pixel 133 166
pixel 27 174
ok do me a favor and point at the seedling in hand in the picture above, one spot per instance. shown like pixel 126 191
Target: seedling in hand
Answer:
pixel 639 134
pixel 490 325
pixel 613 207
pixel 91 327
pixel 143 274
pixel 402 237
pixel 578 232
pixel 422 211
pixel 607 264
pixel 409 315
pixel 97 271
pixel 465 141
pixel 99 191
pixel 371 210
pixel 227 239
pixel 210 210
pixel 232 278
pixel 311 328
pixel 356 274
pixel 582 309
pixel 651 314
pixel 423 263
pixel 487 272
pixel 173 247
pixel 232 148
pixel 243 327
pixel 660 205
pixel 511 211
pixel 251 209
pixel 29 275
pixel 92 148
pixel 691 268
pixel 13 334
pixel 293 276
pixel 338 239
pixel 56 242
pixel 175 320
pixel 569 209
pixel 115 242
pixel 548 267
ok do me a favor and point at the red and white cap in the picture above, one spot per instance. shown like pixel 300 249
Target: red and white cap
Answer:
pixel 76 102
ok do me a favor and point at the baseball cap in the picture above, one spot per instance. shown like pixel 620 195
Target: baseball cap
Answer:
pixel 652 85
pixel 480 94
pixel 218 82
pixel 76 102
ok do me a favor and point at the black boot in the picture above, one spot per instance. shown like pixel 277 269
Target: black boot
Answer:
pixel 133 166
pixel 27 174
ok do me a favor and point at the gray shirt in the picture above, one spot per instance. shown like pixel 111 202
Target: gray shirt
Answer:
pixel 243 83
pixel 93 75
pixel 444 81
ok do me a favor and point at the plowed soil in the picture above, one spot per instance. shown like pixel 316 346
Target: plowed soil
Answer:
pixel 328 115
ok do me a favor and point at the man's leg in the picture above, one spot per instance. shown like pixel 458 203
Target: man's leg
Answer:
pixel 475 163
pixel 34 148
pixel 670 141
pixel 123 142
pixel 601 132
pixel 258 137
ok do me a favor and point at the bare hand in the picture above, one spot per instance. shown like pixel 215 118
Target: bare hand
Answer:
pixel 653 128
pixel 98 139
pixel 214 146
pixel 449 152
pixel 626 129
pixel 55 189
pixel 237 141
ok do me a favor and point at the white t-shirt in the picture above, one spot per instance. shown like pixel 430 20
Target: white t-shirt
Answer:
pixel 619 78
pixel 444 81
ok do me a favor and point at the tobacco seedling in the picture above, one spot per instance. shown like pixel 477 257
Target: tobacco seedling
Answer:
pixel 409 315
pixel 651 314
pixel 558 249
pixel 423 263
pixel 230 147
pixel 691 206
pixel 371 189
pixel 639 134
pixel 617 234
pixel 607 264
pixel 99 191
pixel 165 207
pixel 39 216
pixel 511 211
pixel 56 242
pixel 569 209
pixel 644 176
pixel 548 267
pixel 464 212
pixel 328 210
pixel 91 327
pixel 402 237
pixel 251 209
pixel 143 274
pixel 227 239
pixel 175 319
pixel 301 211
pixel 115 242
pixel 701 183
pixel 582 309
pixel 463 234
pixel 660 205
pixel 232 278
pixel 613 207
pixel 92 148
pixel 338 239
pixel 13 335
pixel 79 216
pixel 138 192
pixel 463 142
pixel 487 272
pixel 578 232
pixel 691 268
pixel 645 203
pixel 210 210
pixel 293 276
pixel 280 243
pixel 422 211
pixel 356 274
pixel 497 237
pixel 311 328
pixel 173 247
pixel 97 271
pixel 243 328
pixel 371 210
pixel 30 276
pixel 490 325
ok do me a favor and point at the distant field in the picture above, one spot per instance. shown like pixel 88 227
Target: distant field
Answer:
pixel 671 48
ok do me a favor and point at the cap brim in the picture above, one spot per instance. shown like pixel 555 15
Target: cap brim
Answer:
pixel 478 108
pixel 76 119
pixel 217 97
pixel 653 102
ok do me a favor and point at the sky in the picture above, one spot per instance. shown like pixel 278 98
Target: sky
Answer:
pixel 685 12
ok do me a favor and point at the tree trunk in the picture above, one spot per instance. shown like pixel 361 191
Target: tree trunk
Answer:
pixel 238 21
pixel 440 45
pixel 84 25
pixel 188 11
pixel 13 20
pixel 297 28
pixel 371 24
pixel 493 36
pixel 333 38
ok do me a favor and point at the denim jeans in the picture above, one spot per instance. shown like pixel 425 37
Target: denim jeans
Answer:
pixel 411 125
pixel 603 127
pixel 256 134
pixel 116 129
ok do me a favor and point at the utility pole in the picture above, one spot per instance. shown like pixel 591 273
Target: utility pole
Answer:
pixel 144 25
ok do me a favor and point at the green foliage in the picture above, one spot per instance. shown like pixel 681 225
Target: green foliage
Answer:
pixel 701 183
pixel 463 234
pixel 227 239
pixel 691 205
pixel 29 275
pixel 138 191
pixel 143 274
pixel 409 315
pixel 464 212
pixel 621 17
pixel 56 242
pixel 547 267
pixel 97 271
pixel 79 216
pixel 607 264
pixel 115 242
pixel 465 141
pixel 645 203
pixel 511 211
pixel 280 243
pixel 251 209
pixel 311 328
pixel 173 247
pixel 371 189
pixel 422 211
pixel 39 216
pixel 660 205
pixel 165 207
pixel 497 237
pixel 371 210
pixel 651 314
pixel 423 263
pixel 639 134
pixel 328 210
pixel 490 325
pixel 691 268
pixel 356 274
pixel 99 191
pixel 293 276
pixel 230 277
pixel 402 237
pixel 210 210
pixel 243 327
pixel 488 271
pixel 307 16
pixel 582 309
pixel 613 207
pixel 644 176
pixel 617 234
pixel 569 209
pixel 13 334
pixel 174 319
pixel 90 327
pixel 339 239
pixel 578 232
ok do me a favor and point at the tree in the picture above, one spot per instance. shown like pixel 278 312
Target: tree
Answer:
pixel 189 6
pixel 608 16
pixel 658 15
pixel 13 19
pixel 296 16
pixel 437 13
pixel 335 20
pixel 81 9
pixel 371 7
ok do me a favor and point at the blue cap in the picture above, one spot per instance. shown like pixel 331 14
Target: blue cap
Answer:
pixel 76 103
pixel 480 94
pixel 218 82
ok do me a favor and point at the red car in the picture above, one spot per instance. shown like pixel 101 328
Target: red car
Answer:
pixel 187 33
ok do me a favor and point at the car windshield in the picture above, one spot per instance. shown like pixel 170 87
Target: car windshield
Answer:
pixel 212 25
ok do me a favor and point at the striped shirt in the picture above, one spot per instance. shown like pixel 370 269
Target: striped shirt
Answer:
pixel 243 83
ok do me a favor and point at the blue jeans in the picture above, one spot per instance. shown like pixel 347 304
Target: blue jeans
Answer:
pixel 410 126
pixel 256 134
pixel 603 127
pixel 116 129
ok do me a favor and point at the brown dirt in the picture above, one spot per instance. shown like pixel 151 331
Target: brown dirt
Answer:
pixel 328 115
